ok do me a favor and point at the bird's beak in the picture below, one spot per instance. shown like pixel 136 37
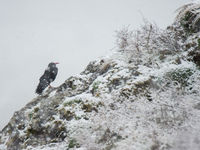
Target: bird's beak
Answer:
pixel 56 62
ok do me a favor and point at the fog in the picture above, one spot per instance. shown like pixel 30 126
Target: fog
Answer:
pixel 71 32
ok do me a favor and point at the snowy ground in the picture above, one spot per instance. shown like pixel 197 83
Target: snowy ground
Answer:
pixel 143 96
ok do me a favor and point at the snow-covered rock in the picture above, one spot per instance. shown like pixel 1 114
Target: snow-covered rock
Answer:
pixel 143 96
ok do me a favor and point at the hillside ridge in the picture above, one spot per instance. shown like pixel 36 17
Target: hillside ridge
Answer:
pixel 144 95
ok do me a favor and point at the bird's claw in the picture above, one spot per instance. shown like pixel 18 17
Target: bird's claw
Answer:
pixel 51 87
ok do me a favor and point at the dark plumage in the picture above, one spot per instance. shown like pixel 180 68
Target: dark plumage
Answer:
pixel 48 77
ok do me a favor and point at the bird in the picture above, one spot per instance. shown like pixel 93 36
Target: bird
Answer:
pixel 48 77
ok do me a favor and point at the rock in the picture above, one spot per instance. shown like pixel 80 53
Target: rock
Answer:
pixel 117 103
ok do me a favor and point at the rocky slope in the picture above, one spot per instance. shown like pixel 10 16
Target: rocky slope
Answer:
pixel 143 96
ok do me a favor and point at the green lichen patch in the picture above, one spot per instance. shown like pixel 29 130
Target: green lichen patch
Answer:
pixel 30 115
pixel 70 103
pixel 198 42
pixel 95 88
pixel 180 75
pixel 73 144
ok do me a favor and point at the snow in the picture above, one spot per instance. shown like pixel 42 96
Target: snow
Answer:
pixel 3 147
pixel 127 110
pixel 59 146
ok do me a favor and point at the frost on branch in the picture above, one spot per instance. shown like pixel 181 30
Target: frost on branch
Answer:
pixel 148 41
pixel 189 17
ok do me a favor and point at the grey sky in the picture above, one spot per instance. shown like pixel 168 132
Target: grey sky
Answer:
pixel 72 32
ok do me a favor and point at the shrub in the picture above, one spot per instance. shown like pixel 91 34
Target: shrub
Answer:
pixel 181 76
pixel 144 44
pixel 189 17
pixel 124 38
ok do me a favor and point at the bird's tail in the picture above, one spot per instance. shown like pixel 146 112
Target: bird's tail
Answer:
pixel 39 89
pixel 41 86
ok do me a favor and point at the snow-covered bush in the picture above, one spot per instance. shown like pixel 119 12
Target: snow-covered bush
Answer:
pixel 180 76
pixel 189 17
pixel 147 44
pixel 124 38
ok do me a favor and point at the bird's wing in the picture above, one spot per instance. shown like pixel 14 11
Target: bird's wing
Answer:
pixel 42 85
pixel 44 82
pixel 53 74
